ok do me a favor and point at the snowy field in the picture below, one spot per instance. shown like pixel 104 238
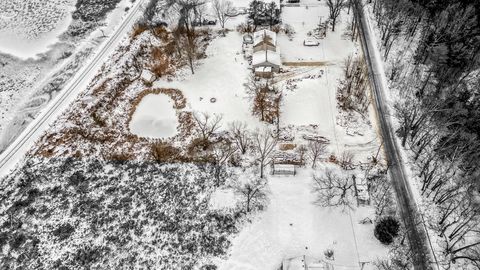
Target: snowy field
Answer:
pixel 304 19
pixel 54 56
pixel 221 77
pixel 293 225
pixel 29 27
pixel 154 117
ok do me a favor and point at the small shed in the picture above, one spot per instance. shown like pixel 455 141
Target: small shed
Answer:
pixel 305 263
pixel 148 76
pixel 284 169
pixel 266 58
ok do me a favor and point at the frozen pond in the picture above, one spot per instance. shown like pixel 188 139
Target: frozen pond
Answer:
pixel 154 117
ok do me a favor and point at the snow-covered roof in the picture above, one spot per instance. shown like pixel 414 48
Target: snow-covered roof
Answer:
pixel 147 75
pixel 259 36
pixel 266 56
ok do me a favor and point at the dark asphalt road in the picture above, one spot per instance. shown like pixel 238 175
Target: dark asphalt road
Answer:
pixel 405 200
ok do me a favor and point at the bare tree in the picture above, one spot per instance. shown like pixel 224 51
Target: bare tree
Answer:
pixel 346 160
pixel 221 152
pixel 335 7
pixel 380 191
pixel 333 190
pixel 207 125
pixel 252 189
pixel 315 150
pixel 221 8
pixel 264 143
pixel 186 37
pixel 240 135
pixel 352 90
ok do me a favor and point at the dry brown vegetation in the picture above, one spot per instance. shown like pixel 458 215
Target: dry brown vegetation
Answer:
pixel 97 124
pixel 287 146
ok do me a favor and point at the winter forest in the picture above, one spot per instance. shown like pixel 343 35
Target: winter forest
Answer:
pixel 433 54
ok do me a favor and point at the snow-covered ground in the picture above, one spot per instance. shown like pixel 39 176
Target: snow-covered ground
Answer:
pixel 29 27
pixel 27 86
pixel 220 76
pixel 154 117
pixel 304 19
pixel 293 225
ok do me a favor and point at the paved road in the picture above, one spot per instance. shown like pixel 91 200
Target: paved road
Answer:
pixel 406 202
pixel 17 150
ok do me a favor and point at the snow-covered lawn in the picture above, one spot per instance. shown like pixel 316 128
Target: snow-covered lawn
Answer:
pixel 154 117
pixel 293 225
pixel 217 85
pixel 304 19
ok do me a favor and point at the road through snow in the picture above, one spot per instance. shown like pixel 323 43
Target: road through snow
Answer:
pixel 17 150
pixel 421 254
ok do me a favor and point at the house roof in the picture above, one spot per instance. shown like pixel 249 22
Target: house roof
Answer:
pixel 259 37
pixel 147 75
pixel 266 56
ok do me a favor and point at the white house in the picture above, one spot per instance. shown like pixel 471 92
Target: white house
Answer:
pixel 266 58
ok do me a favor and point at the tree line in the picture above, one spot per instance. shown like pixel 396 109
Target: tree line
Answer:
pixel 433 50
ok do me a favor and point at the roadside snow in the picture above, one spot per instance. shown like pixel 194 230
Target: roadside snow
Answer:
pixel 154 117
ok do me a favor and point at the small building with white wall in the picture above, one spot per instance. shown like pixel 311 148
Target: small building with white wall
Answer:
pixel 266 58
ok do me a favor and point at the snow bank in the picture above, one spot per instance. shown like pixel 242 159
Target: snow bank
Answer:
pixel 154 117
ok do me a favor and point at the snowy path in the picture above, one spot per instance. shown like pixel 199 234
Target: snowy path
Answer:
pixel 17 150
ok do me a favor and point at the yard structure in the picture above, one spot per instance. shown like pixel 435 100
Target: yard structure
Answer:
pixel 264 40
pixel 148 76
pixel 305 263
pixel 266 54
pixel 266 58
pixel 284 169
